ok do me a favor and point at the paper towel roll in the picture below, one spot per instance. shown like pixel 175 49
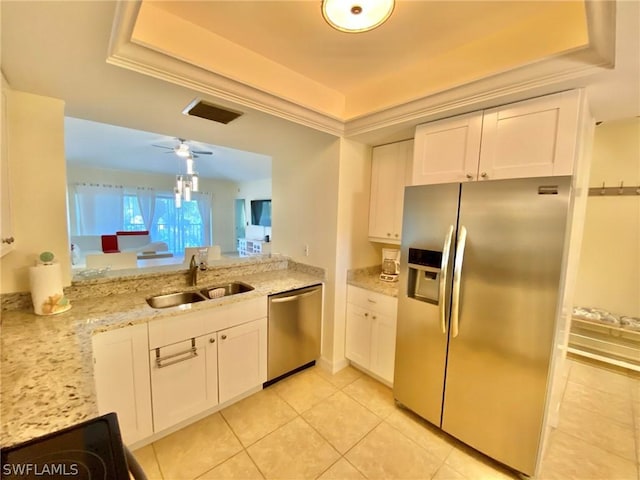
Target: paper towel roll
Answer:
pixel 46 289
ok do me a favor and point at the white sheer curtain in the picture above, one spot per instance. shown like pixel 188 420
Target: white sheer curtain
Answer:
pixel 147 204
pixel 99 209
pixel 204 207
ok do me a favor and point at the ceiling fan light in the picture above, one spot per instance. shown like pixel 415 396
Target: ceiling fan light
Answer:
pixel 189 165
pixel 187 192
pixel 354 16
pixel 182 150
pixel 179 183
pixel 195 180
pixel 177 195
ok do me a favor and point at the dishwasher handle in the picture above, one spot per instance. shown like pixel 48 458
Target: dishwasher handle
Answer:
pixel 292 298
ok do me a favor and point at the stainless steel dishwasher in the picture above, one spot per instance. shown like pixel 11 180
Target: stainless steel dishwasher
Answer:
pixel 295 319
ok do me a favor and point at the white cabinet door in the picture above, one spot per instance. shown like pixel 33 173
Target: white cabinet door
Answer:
pixel 532 138
pixel 390 173
pixel 383 346
pixel 447 150
pixel 178 382
pixel 242 358
pixel 121 374
pixel 211 351
pixel 371 331
pixel 358 335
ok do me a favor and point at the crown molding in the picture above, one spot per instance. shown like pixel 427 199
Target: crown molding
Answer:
pixel 124 53
pixel 545 76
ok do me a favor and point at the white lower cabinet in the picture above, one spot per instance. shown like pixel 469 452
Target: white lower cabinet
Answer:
pixel 242 354
pixel 121 374
pixel 179 368
pixel 371 331
pixel 181 387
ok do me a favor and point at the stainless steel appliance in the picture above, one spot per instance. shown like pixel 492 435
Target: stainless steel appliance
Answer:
pixel 480 275
pixel 294 328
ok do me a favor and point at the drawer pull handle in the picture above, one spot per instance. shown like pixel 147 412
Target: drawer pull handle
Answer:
pixel 224 337
pixel 371 301
pixel 191 353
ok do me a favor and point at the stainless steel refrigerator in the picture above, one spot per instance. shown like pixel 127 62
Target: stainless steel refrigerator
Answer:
pixel 479 294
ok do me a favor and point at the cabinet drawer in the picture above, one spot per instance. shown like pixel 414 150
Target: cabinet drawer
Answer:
pixel 383 304
pixel 175 329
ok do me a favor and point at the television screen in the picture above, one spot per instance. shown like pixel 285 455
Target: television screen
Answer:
pixel 261 212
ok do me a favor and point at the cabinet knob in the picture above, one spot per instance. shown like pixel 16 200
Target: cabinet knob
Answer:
pixel 366 314
pixel 397 235
pixel 8 240
pixel 212 340
pixel 374 317
pixel 224 337
pixel 388 234
pixel 484 175
pixel 469 176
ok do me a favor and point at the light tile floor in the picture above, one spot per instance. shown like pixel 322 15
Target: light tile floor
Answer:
pixel 346 426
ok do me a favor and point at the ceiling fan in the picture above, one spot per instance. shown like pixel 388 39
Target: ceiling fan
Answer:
pixel 183 150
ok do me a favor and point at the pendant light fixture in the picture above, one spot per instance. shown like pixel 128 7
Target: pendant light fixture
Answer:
pixel 355 16
pixel 185 184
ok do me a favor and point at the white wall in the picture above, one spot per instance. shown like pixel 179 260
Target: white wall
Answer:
pixel 304 211
pixel 353 249
pixel 609 272
pixel 222 203
pixel 38 185
pixel 320 193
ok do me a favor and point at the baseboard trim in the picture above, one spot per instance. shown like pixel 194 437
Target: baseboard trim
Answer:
pixel 332 367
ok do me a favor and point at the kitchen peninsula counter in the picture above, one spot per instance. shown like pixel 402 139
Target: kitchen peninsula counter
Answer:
pixel 47 362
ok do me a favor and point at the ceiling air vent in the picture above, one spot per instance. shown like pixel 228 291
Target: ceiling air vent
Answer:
pixel 209 111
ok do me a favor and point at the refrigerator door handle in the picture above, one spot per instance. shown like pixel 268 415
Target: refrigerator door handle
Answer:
pixel 457 273
pixel 444 268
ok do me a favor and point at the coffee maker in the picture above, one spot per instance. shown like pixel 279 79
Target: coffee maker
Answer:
pixel 390 264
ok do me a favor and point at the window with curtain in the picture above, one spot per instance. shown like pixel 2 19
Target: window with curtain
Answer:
pixel 188 226
pixel 133 220
pixel 92 202
pixel 104 209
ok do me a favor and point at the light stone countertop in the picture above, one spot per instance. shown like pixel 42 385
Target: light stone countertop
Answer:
pixel 47 365
pixel 369 279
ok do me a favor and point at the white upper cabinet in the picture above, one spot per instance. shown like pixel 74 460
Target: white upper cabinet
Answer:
pixel 390 173
pixel 447 151
pixel 532 138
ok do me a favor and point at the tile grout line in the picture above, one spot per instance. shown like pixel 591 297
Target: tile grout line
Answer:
pixel 155 456
pixel 245 449
pixel 598 447
pixel 340 389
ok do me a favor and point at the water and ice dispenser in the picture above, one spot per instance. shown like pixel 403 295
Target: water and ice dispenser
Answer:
pixel 424 275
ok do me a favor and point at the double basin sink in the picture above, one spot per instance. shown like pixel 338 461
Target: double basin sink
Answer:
pixel 188 297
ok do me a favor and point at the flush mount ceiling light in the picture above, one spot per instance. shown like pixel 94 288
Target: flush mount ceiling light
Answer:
pixel 354 16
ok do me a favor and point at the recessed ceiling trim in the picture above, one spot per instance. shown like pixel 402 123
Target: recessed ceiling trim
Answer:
pixel 557 73
pixel 126 54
